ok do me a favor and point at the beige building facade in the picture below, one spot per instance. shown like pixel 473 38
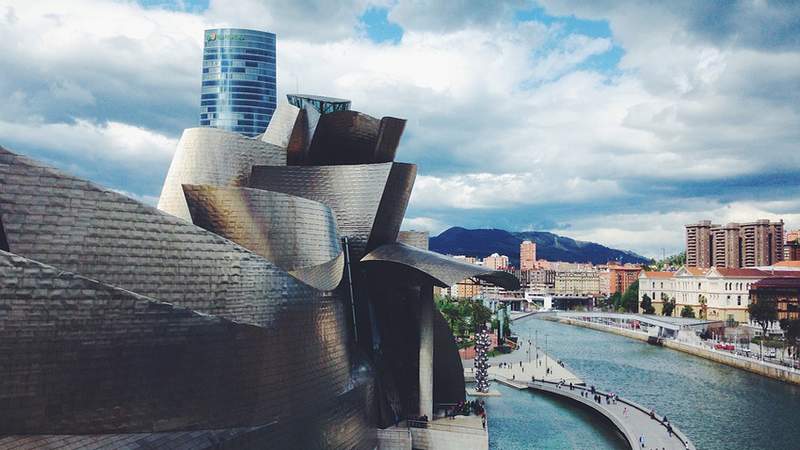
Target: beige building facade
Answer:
pixel 716 293
pixel 495 261
pixel 577 282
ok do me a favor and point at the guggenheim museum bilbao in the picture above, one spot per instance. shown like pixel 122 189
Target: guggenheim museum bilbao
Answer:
pixel 267 302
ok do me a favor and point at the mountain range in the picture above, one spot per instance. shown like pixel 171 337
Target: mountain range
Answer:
pixel 549 246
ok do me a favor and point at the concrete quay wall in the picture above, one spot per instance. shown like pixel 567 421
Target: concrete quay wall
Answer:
pixel 768 370
pixel 629 434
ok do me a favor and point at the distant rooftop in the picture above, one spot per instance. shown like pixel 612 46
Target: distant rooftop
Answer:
pixel 653 274
pixel 323 105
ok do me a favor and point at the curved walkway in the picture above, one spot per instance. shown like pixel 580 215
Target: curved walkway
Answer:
pixel 631 419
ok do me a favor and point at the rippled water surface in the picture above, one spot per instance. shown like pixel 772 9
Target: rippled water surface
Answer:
pixel 529 420
pixel 719 407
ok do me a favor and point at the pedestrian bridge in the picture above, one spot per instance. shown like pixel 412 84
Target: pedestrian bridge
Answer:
pixel 664 323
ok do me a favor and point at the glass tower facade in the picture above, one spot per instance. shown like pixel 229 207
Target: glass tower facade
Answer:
pixel 238 92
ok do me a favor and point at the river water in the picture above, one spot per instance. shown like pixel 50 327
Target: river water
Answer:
pixel 717 406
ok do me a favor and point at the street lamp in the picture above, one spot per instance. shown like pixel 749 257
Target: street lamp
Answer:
pixel 545 354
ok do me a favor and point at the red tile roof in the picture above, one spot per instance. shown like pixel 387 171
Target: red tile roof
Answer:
pixel 655 274
pixel 777 282
pixel 696 271
pixel 732 272
pixel 788 264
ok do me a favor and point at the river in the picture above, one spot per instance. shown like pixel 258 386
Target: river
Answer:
pixel 717 406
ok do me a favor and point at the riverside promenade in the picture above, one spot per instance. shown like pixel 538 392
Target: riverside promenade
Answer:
pixel 631 419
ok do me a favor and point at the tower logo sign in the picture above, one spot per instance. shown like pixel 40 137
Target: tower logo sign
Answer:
pixel 213 36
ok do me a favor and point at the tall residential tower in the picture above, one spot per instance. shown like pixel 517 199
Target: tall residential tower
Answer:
pixel 527 255
pixel 238 91
pixel 734 245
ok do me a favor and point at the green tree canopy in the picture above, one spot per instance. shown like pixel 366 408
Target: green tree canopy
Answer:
pixel 687 311
pixel 630 299
pixel 791 331
pixel 668 305
pixel 647 305
pixel 763 312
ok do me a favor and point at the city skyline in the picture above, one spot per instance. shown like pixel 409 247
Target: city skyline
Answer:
pixel 590 136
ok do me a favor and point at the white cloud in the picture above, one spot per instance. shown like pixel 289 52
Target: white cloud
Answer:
pixel 501 114
pixel 431 225
pixel 113 141
pixel 651 231
pixel 495 191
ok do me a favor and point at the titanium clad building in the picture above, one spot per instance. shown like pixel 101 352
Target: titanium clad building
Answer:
pixel 238 90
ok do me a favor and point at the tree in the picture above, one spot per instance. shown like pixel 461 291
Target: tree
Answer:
pixel 615 301
pixel 647 305
pixel 764 313
pixel 479 315
pixel 669 305
pixel 630 299
pixel 791 331
pixel 703 306
pixel 687 311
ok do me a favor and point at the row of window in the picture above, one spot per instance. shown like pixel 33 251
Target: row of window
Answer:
pixel 232 78
pixel 243 109
pixel 228 123
pixel 236 95
pixel 728 286
pixel 221 102
pixel 265 44
pixel 236 116
pixel 250 70
pixel 226 88
pixel 237 63
pixel 241 56
pixel 237 49
pixel 258 84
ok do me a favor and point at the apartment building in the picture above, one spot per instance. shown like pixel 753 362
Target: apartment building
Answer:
pixel 496 261
pixel 527 255
pixel 577 282
pixel 734 245
pixel 621 277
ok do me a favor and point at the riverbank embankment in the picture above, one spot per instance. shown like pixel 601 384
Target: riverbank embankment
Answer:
pixel 774 371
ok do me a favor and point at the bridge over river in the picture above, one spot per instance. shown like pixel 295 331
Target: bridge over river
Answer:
pixel 716 406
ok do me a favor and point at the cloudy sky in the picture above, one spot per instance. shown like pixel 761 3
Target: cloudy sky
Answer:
pixel 610 121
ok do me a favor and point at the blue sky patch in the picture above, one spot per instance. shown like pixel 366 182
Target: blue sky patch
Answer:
pixel 378 28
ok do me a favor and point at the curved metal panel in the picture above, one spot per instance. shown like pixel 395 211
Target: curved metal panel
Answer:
pixel 283 122
pixel 389 133
pixel 325 276
pixel 293 232
pixel 392 208
pixel 366 198
pixel 214 157
pixel 448 371
pixel 351 137
pixel 88 358
pixel 444 271
pixel 3 240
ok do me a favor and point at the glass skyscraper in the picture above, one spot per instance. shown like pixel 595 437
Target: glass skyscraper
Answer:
pixel 238 92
